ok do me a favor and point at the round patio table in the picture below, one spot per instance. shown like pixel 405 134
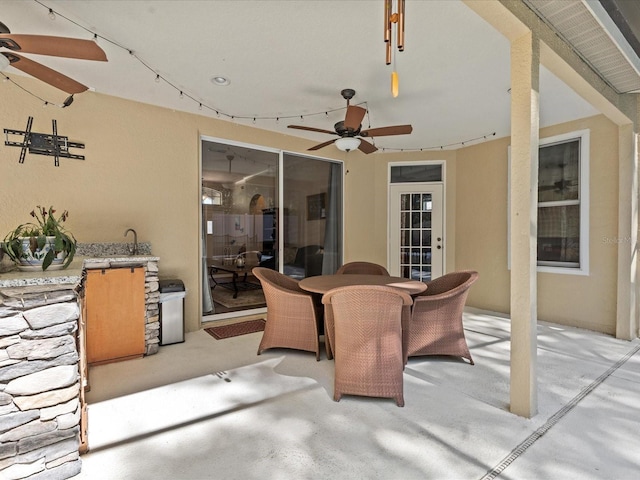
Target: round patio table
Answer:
pixel 323 283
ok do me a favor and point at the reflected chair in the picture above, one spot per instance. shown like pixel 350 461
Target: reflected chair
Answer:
pixel 292 316
pixel 366 322
pixel 364 268
pixel 436 317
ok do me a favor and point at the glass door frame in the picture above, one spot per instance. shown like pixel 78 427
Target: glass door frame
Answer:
pixel 422 187
pixel 201 244
pixel 280 201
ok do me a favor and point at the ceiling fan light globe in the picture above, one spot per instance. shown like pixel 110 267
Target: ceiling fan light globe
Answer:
pixel 346 144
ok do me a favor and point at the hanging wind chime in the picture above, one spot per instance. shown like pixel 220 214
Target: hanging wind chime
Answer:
pixel 391 17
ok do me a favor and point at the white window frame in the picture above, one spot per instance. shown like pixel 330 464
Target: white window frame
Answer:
pixel 583 269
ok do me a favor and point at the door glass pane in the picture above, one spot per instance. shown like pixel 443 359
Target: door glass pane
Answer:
pixel 404 201
pixel 415 262
pixel 237 234
pixel 312 209
pixel 415 219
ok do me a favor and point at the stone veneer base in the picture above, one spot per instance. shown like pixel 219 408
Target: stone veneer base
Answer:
pixel 40 382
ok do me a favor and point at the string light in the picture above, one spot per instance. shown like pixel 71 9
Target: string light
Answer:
pixel 400 44
pixel 439 147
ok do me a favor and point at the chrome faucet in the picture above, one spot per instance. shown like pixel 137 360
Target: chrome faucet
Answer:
pixel 134 250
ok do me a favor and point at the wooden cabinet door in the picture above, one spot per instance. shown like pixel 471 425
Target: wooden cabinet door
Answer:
pixel 115 320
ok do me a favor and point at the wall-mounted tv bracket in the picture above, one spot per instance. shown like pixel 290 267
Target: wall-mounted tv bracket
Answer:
pixel 43 144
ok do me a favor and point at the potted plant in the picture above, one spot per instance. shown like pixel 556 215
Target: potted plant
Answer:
pixel 43 243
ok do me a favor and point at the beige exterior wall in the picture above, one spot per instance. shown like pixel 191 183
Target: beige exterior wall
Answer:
pixel 482 190
pixel 142 171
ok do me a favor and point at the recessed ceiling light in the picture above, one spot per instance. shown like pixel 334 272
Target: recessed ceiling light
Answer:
pixel 220 81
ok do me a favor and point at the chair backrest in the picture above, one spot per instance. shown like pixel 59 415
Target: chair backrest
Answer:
pixel 360 298
pixel 363 268
pixel 368 307
pixel 451 284
pixel 275 279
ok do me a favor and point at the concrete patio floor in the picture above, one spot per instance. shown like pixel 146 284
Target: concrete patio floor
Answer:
pixel 213 409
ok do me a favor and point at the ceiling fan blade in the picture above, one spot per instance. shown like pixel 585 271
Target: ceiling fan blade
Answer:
pixel 321 145
pixel 367 147
pixel 46 74
pixel 386 131
pixel 311 129
pixel 53 46
pixel 354 116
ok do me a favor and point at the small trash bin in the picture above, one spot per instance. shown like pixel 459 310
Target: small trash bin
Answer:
pixel 172 293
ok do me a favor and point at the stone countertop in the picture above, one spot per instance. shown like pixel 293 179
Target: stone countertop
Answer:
pixel 72 275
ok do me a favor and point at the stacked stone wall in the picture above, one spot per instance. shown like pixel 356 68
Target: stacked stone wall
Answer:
pixel 152 315
pixel 40 406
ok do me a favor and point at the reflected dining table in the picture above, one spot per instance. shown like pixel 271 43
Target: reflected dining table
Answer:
pixel 321 284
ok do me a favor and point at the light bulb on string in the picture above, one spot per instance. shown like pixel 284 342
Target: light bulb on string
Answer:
pixel 52 14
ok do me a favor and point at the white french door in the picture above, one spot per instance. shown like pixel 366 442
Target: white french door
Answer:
pixel 416 241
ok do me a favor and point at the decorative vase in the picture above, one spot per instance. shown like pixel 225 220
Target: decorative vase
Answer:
pixel 33 260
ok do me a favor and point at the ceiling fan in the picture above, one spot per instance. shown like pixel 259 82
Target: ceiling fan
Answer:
pixel 46 45
pixel 349 129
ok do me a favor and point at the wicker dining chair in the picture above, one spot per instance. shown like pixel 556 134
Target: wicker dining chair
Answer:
pixel 364 268
pixel 292 315
pixel 367 324
pixel 436 317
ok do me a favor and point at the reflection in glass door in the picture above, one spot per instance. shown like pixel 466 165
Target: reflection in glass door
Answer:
pixel 239 226
pixel 416 243
pixel 264 208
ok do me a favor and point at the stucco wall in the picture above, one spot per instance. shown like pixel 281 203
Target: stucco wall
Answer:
pixel 142 171
pixel 481 191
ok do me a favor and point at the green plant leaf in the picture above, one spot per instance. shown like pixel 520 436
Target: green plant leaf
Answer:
pixel 48 258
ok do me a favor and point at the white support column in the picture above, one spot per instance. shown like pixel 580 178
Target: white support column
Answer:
pixel 627 315
pixel 525 66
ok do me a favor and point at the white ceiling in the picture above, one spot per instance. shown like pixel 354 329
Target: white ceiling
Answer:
pixel 292 58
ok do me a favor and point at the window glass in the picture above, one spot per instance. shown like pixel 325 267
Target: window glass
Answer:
pixel 416 173
pixel 559 234
pixel 559 172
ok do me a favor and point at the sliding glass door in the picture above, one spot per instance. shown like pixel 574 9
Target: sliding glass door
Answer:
pixel 264 208
pixel 312 216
